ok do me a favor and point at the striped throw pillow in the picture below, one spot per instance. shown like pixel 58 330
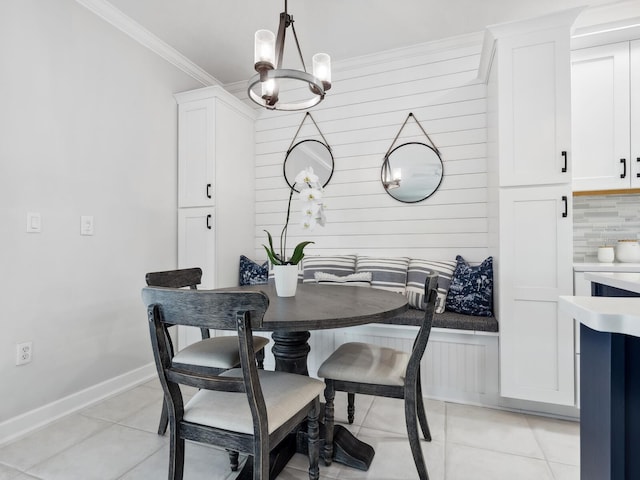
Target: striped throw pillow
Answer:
pixel 417 275
pixel 353 280
pixel 386 273
pixel 336 265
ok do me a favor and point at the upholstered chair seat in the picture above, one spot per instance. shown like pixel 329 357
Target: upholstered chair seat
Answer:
pixel 216 352
pixel 366 363
pixel 224 411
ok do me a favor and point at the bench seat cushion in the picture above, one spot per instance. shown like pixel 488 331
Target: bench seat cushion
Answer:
pixel 448 319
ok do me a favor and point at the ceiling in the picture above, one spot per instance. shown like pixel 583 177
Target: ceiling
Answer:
pixel 217 35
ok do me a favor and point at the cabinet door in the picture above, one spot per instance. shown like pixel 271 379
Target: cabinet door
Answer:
pixel 196 153
pixel 535 267
pixel 534 108
pixel 600 113
pixel 196 242
pixel 635 113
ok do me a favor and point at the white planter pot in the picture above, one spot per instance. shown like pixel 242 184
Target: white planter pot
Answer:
pixel 286 279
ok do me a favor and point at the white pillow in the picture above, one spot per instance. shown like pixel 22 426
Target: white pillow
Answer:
pixel 362 279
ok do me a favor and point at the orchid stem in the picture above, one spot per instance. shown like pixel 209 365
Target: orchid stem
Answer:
pixel 283 234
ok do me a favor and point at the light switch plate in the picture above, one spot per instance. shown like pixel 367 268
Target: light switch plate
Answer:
pixel 86 225
pixel 34 223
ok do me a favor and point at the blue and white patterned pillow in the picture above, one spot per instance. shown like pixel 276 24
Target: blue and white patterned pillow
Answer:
pixel 386 273
pixel 252 273
pixel 336 265
pixel 417 276
pixel 471 289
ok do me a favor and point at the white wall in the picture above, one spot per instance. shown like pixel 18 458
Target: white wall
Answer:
pixel 362 113
pixel 88 127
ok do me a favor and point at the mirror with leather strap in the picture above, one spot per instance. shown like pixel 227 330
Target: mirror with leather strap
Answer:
pixel 412 171
pixel 305 154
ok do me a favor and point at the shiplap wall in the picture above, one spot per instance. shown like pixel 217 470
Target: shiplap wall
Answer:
pixel 361 115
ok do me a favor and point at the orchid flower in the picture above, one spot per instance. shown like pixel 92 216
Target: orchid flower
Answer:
pixel 312 215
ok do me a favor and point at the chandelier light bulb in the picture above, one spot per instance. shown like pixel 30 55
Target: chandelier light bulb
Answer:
pixel 264 50
pixel 268 87
pixel 322 69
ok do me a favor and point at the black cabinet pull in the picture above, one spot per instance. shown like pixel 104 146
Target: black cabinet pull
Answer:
pixel 564 156
pixel 638 160
pixel 209 221
pixel 566 206
pixel 623 161
pixel 208 190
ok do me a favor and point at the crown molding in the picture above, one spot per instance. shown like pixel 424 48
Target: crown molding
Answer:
pixel 122 22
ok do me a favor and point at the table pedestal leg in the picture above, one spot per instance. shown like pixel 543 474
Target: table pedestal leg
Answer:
pixel 291 350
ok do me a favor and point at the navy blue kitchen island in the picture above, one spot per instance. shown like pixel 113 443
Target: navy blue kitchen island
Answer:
pixel 609 376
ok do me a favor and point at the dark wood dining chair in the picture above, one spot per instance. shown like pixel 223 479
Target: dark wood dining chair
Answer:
pixel 374 370
pixel 244 409
pixel 220 353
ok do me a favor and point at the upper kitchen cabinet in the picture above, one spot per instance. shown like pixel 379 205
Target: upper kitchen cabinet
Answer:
pixel 533 108
pixel 605 100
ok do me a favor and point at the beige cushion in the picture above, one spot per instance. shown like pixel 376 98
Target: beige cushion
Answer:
pixel 216 352
pixel 366 363
pixel 285 394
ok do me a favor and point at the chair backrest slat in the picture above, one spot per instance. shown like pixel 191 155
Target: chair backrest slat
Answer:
pixel 186 277
pixel 227 384
pixel 206 309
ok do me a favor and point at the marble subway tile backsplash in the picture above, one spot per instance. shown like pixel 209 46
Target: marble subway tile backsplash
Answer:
pixel 603 220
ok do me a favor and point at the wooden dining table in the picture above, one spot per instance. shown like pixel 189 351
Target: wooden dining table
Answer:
pixel 317 307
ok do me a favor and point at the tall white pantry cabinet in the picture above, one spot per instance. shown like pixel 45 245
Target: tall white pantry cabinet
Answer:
pixel 216 194
pixel 530 225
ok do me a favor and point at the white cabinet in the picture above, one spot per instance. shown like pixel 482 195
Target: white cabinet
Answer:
pixel 530 221
pixel 534 79
pixel 216 172
pixel 537 356
pixel 605 101
pixel 197 241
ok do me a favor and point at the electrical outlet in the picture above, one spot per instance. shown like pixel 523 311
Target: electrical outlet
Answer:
pixel 24 352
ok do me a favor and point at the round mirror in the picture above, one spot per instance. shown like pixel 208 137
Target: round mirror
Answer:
pixel 305 154
pixel 412 172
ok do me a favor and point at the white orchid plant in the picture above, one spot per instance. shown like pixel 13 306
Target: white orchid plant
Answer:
pixel 312 215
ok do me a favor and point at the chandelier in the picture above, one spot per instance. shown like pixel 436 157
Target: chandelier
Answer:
pixel 267 86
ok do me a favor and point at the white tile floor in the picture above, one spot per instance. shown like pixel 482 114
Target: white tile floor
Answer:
pixel 116 439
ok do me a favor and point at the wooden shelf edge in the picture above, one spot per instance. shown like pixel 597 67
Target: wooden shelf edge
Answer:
pixel 626 191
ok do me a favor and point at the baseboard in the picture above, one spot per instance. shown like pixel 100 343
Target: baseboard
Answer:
pixel 22 424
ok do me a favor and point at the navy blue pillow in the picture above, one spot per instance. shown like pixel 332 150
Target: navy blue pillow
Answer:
pixel 471 289
pixel 252 273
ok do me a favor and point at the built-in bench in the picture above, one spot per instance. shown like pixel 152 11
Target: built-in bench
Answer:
pixel 446 319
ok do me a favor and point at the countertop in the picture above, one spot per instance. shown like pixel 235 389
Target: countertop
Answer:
pixel 605 314
pixel 625 280
pixel 608 314
pixel 606 267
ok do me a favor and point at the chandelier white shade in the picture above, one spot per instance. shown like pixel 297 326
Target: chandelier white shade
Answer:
pixel 277 88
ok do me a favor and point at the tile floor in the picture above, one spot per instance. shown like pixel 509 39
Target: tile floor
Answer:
pixel 116 439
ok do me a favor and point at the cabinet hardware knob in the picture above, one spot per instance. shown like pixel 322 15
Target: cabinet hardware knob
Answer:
pixel 208 190
pixel 209 221
pixel 623 161
pixel 566 206
pixel 564 156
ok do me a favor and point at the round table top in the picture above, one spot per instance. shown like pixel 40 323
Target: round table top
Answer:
pixel 316 307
